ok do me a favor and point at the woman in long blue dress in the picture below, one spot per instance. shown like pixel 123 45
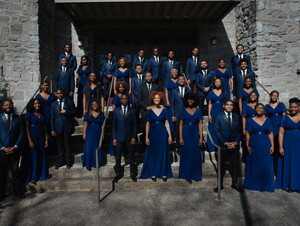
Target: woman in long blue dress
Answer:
pixel 82 75
pixel 34 163
pixel 46 99
pixel 93 90
pixel 123 73
pixel 215 100
pixel 92 130
pixel 275 110
pixel 288 177
pixel 191 139
pixel 226 76
pixel 259 171
pixel 243 96
pixel 157 162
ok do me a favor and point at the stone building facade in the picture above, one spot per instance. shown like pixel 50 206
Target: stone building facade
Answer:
pixel 32 33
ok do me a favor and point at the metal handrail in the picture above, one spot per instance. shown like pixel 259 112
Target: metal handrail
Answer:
pixel 101 141
pixel 219 161
pixel 33 95
pixel 186 81
pixel 262 86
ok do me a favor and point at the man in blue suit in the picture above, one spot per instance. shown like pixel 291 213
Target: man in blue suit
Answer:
pixel 191 65
pixel 72 62
pixel 155 66
pixel 11 140
pixel 64 78
pixel 240 74
pixel 204 82
pixel 140 59
pixel 227 128
pixel 137 80
pixel 107 72
pixel 62 113
pixel 236 59
pixel 124 134
pixel 168 65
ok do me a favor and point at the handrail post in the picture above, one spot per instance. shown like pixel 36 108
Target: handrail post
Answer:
pixel 100 142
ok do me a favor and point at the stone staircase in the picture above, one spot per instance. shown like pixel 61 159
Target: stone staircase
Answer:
pixel 79 179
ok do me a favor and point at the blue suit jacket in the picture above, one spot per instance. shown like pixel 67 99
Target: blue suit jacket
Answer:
pixel 106 70
pixel 64 82
pixel 202 82
pixel 135 86
pixel 62 123
pixel 124 128
pixel 190 69
pixel 72 62
pixel 238 80
pixel 166 70
pixel 14 135
pixel 155 68
pixel 144 64
pixel 177 106
pixel 224 132
pixel 235 62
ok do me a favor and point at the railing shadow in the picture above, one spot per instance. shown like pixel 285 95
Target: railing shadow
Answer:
pixel 246 209
pixel 112 190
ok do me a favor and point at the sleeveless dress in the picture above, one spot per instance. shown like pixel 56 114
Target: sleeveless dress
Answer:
pixel 259 171
pixel 190 154
pixel 157 158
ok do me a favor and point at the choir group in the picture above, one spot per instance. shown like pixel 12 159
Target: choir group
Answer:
pixel 168 103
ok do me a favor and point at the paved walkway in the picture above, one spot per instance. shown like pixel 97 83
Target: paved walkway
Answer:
pixel 155 207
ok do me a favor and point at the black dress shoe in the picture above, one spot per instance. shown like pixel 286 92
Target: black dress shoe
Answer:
pixel 153 178
pixel 216 189
pixel 165 179
pixel 237 188
pixel 88 169
pixel 133 178
pixel 69 166
pixel 33 182
pixel 189 181
pixel 56 167
pixel 20 195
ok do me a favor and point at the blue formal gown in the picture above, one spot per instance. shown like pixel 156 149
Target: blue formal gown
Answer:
pixel 275 114
pixel 217 108
pixel 225 80
pixel 157 158
pixel 34 162
pixel 171 86
pixel 190 154
pixel 93 133
pixel 288 176
pixel 245 96
pixel 84 75
pixel 123 76
pixel 259 171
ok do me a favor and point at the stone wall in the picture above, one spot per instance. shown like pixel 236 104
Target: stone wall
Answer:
pixel 19 48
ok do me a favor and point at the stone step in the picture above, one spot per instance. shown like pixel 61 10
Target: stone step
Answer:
pixel 107 171
pixel 87 184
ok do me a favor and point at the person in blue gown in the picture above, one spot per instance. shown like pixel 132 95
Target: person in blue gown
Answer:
pixel 288 177
pixel 122 88
pixel 82 75
pixel 259 171
pixel 215 100
pixel 46 99
pixel 34 163
pixel 275 110
pixel 92 130
pixel 92 90
pixel 243 96
pixel 226 76
pixel 157 162
pixel 123 73
pixel 191 139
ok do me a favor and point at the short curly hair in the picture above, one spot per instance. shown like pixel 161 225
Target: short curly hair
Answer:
pixel 124 84
pixel 123 58
pixel 190 96
pixel 160 94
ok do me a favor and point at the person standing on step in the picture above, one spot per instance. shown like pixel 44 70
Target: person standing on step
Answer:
pixel 239 56
pixel 108 69
pixel 226 76
pixel 124 132
pixel 190 69
pixel 191 139
pixel 137 80
pixel 92 130
pixel 122 88
pixel 227 128
pixel 62 113
pixel 157 162
pixel 71 59
pixel 168 66
pixel 34 166
pixel 12 135
pixel 122 74
pixel 140 59
pixel 259 171
pixel 155 65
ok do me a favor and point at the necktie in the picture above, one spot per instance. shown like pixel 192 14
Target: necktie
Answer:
pixel 149 87
pixel 229 119
pixel 109 64
pixel 171 64
pixel 204 73
pixel 195 60
pixel 68 56
pixel 124 111
pixel 156 59
pixel 60 105
pixel 181 92
pixel 244 73
pixel 64 71
pixel 8 122
pixel 140 78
